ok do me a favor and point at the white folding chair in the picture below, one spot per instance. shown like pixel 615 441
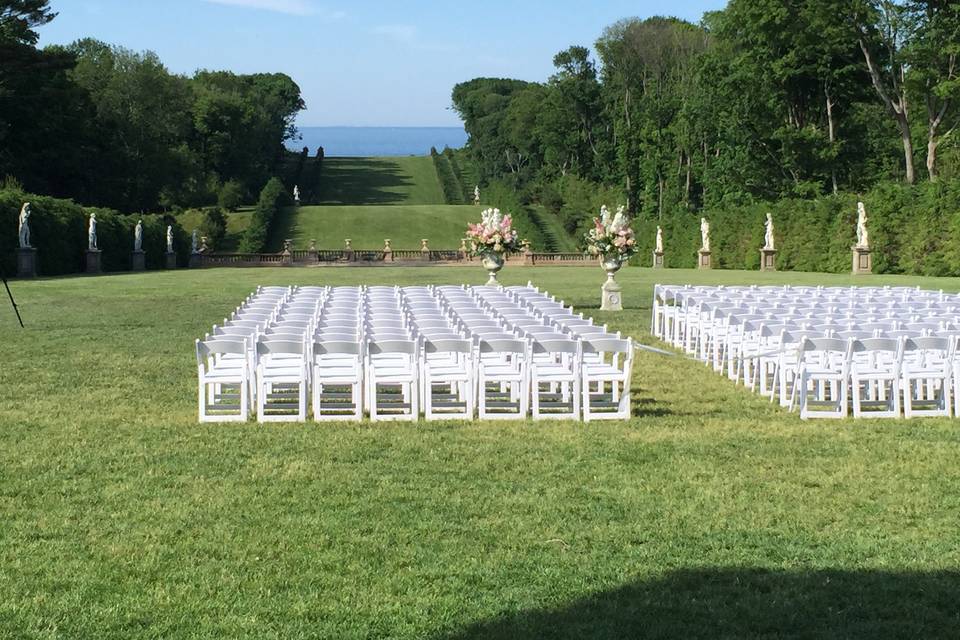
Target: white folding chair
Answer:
pixel 502 379
pixel 928 364
pixel 337 379
pixel 392 364
pixel 223 382
pixel 558 368
pixel 875 375
pixel 281 381
pixel 614 369
pixel 822 379
pixel 448 363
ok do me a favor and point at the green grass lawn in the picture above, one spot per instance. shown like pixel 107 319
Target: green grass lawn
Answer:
pixel 710 514
pixel 402 180
pixel 367 226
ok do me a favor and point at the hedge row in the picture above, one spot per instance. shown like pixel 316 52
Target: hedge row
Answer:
pixel 452 189
pixel 466 194
pixel 58 230
pixel 913 230
pixel 272 198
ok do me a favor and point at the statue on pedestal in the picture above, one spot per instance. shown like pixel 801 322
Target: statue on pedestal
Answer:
pixel 768 242
pixel 25 226
pixel 296 194
pixel 92 233
pixel 138 236
pixel 659 245
pixel 169 238
pixel 704 235
pixel 476 195
pixel 195 242
pixel 863 237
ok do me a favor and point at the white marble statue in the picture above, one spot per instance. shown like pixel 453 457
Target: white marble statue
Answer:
pixel 296 194
pixel 169 238
pixel 659 248
pixel 92 233
pixel 863 237
pixel 704 235
pixel 195 242
pixel 768 242
pixel 25 226
pixel 476 194
pixel 138 236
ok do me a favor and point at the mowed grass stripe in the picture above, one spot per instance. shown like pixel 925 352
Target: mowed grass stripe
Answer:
pixel 377 181
pixel 711 513
pixel 367 226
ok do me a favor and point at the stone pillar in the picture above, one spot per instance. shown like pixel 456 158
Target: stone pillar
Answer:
pixel 612 295
pixel 348 249
pixel 658 259
pixel 138 261
pixel 287 259
pixel 768 259
pixel 313 253
pixel 170 260
pixel 463 251
pixel 196 260
pixel 26 262
pixel 93 261
pixel 527 254
pixel 424 250
pixel 703 261
pixel 387 250
pixel 862 261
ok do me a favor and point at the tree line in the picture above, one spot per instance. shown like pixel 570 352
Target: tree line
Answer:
pixel 115 128
pixel 761 101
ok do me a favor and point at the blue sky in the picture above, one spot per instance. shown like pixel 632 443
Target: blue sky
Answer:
pixel 364 62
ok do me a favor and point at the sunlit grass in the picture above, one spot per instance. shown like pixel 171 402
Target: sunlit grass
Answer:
pixel 709 513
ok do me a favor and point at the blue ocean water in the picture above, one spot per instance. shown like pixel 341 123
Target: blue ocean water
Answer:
pixel 378 141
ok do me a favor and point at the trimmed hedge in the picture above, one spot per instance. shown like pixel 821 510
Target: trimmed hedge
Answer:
pixel 58 230
pixel 272 198
pixel 913 230
pixel 452 189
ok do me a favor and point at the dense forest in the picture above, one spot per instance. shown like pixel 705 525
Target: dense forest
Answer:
pixel 763 101
pixel 115 128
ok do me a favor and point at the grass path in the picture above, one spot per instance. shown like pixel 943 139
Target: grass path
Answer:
pixel 378 181
pixel 709 514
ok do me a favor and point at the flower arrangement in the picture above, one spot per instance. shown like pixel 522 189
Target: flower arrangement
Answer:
pixel 493 234
pixel 611 236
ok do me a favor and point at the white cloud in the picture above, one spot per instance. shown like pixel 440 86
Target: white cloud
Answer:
pixel 290 7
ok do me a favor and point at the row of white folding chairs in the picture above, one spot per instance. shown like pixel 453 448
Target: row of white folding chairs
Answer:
pixel 873 377
pixel 503 371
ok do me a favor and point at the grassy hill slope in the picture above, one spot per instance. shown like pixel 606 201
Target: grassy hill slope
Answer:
pixel 367 226
pixel 411 180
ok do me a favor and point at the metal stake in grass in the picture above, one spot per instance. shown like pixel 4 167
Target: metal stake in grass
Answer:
pixel 3 277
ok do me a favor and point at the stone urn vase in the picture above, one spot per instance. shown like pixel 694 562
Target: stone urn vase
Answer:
pixel 492 261
pixel 611 291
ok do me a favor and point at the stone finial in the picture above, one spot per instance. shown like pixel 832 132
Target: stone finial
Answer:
pixel 288 245
pixel 347 244
pixel 313 245
pixel 386 245
pixel 423 245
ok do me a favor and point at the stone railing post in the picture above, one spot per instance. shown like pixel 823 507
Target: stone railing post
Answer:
pixel 387 251
pixel 348 250
pixel 424 249
pixel 312 252
pixel 287 255
pixel 527 254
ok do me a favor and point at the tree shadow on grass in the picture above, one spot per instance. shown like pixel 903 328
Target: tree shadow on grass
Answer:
pixel 747 603
pixel 361 181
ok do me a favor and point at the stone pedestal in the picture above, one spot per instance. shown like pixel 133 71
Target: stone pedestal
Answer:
pixel 312 253
pixel 93 261
pixel 287 255
pixel 196 260
pixel 138 261
pixel 658 259
pixel 424 250
pixel 862 261
pixel 26 262
pixel 768 260
pixel 527 254
pixel 170 260
pixel 703 260
pixel 612 295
